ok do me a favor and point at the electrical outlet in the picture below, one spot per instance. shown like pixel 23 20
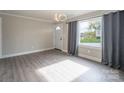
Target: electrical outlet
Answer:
pixel 88 51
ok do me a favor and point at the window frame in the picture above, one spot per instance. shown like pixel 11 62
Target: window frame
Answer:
pixel 86 20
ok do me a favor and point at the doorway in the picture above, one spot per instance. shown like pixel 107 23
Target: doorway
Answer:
pixel 59 36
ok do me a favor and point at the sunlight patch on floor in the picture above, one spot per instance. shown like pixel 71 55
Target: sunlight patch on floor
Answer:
pixel 63 71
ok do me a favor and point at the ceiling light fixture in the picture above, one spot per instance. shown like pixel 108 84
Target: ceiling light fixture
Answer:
pixel 60 17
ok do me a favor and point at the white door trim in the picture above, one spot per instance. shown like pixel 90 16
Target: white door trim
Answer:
pixel 0 37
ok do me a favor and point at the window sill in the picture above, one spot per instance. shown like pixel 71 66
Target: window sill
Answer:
pixel 90 45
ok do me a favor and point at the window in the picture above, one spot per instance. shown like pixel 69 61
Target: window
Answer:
pixel 58 28
pixel 90 32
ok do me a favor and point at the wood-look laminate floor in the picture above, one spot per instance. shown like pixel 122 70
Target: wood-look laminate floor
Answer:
pixel 54 66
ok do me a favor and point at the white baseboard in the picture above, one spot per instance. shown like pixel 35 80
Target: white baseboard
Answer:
pixel 65 51
pixel 90 57
pixel 24 53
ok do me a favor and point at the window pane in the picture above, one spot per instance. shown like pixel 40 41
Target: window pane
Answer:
pixel 58 28
pixel 90 31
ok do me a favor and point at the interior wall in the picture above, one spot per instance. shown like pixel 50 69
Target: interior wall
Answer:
pixel 23 35
pixel 93 53
pixel 65 37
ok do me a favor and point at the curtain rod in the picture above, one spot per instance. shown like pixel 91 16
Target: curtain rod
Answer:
pixel 82 19
pixel 86 18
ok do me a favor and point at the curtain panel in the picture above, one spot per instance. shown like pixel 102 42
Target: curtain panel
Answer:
pixel 72 38
pixel 113 40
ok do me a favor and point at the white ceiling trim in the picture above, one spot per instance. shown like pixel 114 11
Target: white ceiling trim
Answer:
pixel 26 17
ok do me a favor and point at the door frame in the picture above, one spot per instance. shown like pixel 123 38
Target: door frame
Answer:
pixel 0 37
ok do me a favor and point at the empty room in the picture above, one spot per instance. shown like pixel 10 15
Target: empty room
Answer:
pixel 61 46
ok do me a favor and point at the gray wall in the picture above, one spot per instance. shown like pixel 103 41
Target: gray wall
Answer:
pixel 65 37
pixel 23 35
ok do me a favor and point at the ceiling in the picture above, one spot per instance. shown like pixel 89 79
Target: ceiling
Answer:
pixel 47 15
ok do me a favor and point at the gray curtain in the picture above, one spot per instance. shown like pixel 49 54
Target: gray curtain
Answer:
pixel 113 36
pixel 72 38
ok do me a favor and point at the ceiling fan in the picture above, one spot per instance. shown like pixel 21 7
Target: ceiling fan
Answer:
pixel 60 17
